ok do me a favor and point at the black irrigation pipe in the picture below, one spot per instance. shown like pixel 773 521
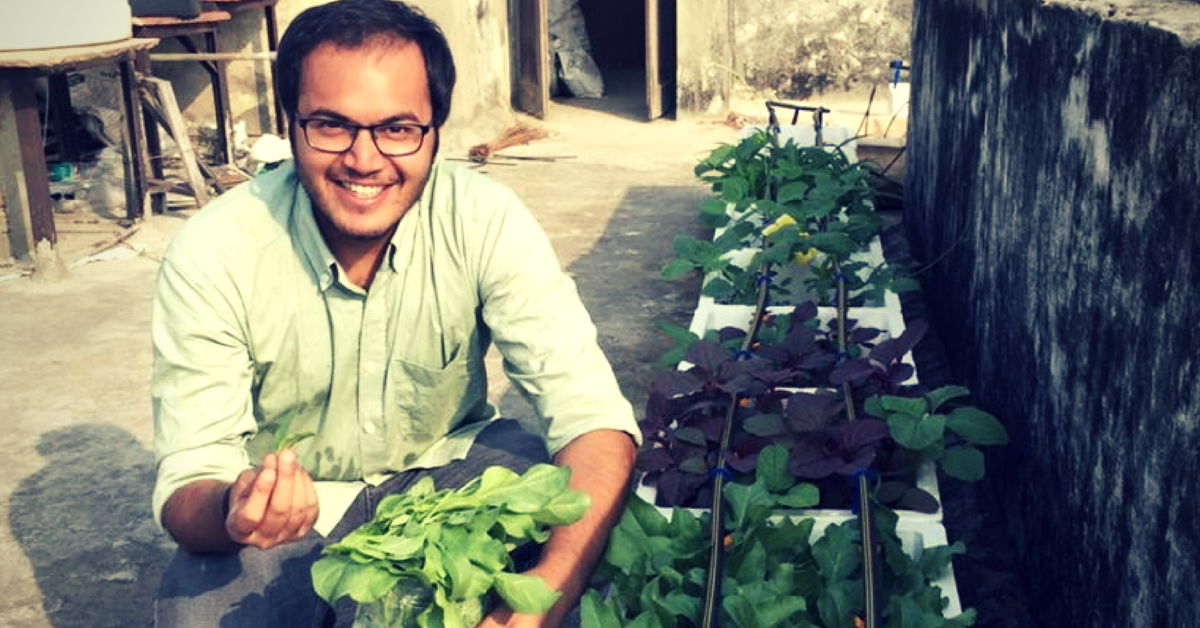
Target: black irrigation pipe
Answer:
pixel 872 569
pixel 716 557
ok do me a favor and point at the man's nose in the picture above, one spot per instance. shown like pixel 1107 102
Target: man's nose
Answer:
pixel 364 155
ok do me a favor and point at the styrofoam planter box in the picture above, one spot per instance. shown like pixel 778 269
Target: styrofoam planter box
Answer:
pixel 889 319
pixel 926 480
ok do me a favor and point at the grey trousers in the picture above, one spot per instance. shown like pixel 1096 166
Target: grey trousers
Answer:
pixel 253 588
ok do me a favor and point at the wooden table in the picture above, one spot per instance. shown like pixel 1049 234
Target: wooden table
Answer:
pixel 23 177
pixel 268 11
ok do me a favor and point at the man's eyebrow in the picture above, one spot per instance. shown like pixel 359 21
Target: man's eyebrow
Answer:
pixel 327 114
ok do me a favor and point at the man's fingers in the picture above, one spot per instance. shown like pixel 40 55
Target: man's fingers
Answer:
pixel 279 509
pixel 249 507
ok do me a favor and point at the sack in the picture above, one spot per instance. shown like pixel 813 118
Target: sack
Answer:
pixel 186 9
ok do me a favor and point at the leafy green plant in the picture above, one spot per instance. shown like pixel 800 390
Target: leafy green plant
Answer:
pixel 433 556
pixel 941 428
pixel 800 208
pixel 776 575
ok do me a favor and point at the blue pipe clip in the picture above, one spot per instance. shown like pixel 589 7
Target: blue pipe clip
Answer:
pixel 896 65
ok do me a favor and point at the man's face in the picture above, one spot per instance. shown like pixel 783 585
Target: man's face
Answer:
pixel 360 195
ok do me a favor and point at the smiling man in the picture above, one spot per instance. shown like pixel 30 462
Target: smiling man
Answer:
pixel 352 293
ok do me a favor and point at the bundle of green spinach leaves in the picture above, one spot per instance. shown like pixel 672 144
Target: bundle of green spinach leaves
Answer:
pixel 435 555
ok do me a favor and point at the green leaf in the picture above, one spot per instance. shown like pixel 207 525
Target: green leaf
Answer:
pixel 742 612
pixel 977 426
pixel 537 486
pixel 874 407
pixel 905 612
pixel 912 406
pixel 734 189
pixel 713 213
pixel 291 440
pixel 750 564
pixel 964 463
pixel 833 242
pixel 793 191
pixel 941 395
pixel 780 610
pixel 565 509
pixel 467 580
pixel 764 425
pixel 935 560
pixel 838 601
pixel 918 432
pixel 836 554
pixel 335 577
pixel 771 469
pixel 677 268
pixel 801 496
pixel 595 613
pixel 525 593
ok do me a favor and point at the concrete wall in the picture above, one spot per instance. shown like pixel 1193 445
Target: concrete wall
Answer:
pixel 1054 189
pixel 736 54
pixel 478 35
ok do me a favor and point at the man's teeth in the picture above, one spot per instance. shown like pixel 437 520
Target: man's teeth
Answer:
pixel 365 191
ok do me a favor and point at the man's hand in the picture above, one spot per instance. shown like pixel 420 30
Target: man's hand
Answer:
pixel 601 463
pixel 273 504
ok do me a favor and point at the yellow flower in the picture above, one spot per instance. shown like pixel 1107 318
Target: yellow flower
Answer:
pixel 773 228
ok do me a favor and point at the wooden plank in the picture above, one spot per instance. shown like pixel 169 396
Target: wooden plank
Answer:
pixel 161 96
pixel 533 57
pixel 51 60
pixel 135 167
pixel 654 104
pixel 12 177
pixel 26 185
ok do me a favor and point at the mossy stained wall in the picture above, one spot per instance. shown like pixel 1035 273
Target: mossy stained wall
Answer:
pixel 1054 190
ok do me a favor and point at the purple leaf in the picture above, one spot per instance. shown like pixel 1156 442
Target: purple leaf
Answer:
pixel 852 371
pixel 810 412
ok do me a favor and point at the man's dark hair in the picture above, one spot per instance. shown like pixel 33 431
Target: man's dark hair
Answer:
pixel 350 24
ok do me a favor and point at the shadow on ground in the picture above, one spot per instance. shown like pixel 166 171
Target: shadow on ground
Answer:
pixel 85 523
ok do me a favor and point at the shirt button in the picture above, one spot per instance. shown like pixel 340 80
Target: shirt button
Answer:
pixel 369 428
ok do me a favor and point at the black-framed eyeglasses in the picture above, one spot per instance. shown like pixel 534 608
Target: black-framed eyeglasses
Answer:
pixel 394 139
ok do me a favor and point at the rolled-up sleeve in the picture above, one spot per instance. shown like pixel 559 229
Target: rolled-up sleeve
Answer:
pixel 201 378
pixel 547 339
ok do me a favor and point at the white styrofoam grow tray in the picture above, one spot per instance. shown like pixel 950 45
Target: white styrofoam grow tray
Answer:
pixel 926 480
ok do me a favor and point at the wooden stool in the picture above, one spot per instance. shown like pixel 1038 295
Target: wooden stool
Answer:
pixel 182 30
pixel 207 24
pixel 268 11
pixel 23 164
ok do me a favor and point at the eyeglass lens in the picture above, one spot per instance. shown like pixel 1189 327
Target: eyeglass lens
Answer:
pixel 336 137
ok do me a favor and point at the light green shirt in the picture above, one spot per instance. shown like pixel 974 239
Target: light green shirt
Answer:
pixel 255 325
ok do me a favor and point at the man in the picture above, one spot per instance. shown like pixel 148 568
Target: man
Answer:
pixel 353 293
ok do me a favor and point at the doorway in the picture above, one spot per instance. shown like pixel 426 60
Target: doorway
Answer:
pixel 632 43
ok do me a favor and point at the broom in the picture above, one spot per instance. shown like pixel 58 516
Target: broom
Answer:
pixel 518 135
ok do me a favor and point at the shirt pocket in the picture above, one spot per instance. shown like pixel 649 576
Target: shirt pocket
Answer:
pixel 429 403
